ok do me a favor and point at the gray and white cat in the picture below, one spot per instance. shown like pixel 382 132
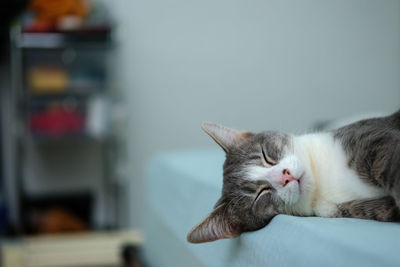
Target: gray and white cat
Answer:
pixel 353 171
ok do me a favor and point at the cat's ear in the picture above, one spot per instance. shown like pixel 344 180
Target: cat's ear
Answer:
pixel 224 136
pixel 215 226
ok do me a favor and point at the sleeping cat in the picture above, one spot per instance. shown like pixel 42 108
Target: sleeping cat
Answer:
pixel 353 171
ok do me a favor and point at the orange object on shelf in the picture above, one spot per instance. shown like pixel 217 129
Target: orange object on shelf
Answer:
pixel 58 220
pixel 48 79
pixel 51 11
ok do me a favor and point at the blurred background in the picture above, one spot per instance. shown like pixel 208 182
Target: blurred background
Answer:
pixel 91 91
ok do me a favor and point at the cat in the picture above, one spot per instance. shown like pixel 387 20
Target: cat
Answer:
pixel 353 171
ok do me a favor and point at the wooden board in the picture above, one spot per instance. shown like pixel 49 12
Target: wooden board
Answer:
pixel 83 249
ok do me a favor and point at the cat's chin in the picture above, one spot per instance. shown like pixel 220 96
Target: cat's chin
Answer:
pixel 290 194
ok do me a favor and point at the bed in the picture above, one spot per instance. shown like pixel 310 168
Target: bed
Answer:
pixel 181 188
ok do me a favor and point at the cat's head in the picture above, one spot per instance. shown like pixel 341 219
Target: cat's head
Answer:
pixel 261 178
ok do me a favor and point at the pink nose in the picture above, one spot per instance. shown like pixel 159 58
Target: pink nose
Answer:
pixel 287 177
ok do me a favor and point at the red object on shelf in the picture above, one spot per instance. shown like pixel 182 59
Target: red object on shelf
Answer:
pixel 39 26
pixel 57 122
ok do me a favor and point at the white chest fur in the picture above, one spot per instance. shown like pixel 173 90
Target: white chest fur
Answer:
pixel 328 181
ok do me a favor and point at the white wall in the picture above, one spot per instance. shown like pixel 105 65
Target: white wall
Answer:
pixel 264 64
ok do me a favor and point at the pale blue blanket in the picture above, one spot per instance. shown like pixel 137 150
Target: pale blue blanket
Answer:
pixel 182 187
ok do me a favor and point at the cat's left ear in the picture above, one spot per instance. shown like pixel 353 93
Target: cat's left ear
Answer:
pixel 225 137
pixel 215 226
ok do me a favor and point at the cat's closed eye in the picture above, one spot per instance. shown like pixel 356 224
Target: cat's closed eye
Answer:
pixel 262 190
pixel 267 160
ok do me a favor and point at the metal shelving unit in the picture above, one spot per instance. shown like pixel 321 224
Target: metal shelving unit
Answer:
pixel 69 50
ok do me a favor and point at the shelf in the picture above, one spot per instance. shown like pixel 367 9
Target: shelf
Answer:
pixel 67 139
pixel 92 39
pixel 47 138
pixel 70 91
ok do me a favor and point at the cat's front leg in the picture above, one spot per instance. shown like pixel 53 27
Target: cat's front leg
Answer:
pixel 324 208
pixel 380 209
